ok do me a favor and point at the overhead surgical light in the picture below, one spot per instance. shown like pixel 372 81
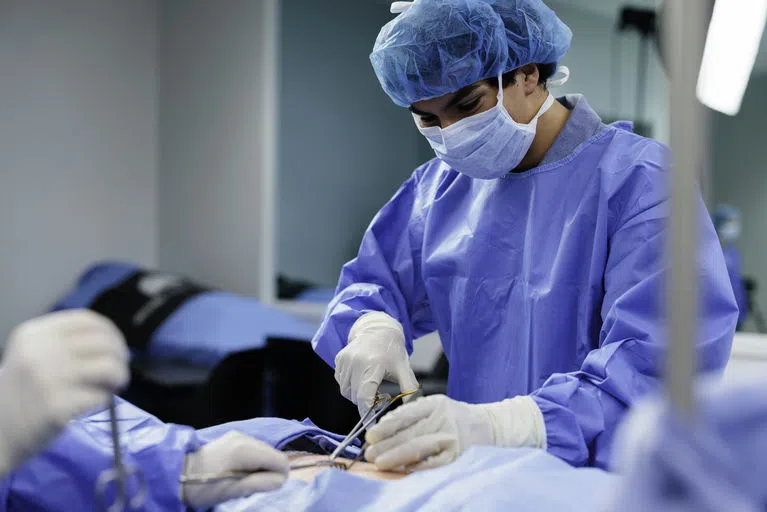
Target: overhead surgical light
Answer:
pixel 731 48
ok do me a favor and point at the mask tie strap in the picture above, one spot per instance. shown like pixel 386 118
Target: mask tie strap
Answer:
pixel 400 7
pixel 500 89
pixel 560 78
pixel 544 108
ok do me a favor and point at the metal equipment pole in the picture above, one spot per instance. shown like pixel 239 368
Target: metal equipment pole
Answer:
pixel 684 32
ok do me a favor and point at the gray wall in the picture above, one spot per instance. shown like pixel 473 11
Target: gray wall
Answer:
pixel 210 58
pixel 344 146
pixel 77 144
pixel 740 176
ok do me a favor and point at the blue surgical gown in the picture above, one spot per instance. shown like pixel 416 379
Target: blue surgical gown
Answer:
pixel 547 282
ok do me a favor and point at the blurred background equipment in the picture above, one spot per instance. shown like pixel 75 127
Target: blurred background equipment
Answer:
pixel 644 22
pixel 753 305
pixel 727 221
pixel 203 357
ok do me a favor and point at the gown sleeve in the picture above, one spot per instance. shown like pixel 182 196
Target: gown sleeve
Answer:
pixel 385 276
pixel 581 409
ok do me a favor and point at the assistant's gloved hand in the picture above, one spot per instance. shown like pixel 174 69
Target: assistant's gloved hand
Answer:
pixel 375 352
pixel 55 368
pixel 434 430
pixel 233 452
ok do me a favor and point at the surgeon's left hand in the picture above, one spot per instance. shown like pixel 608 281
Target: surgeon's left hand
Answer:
pixel 233 452
pixel 433 431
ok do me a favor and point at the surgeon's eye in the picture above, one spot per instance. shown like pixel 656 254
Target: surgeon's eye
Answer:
pixel 428 121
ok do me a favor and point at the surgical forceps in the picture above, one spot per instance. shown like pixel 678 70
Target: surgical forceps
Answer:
pixel 119 474
pixel 207 478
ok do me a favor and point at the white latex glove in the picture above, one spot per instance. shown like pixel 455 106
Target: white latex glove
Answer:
pixel 434 430
pixel 375 352
pixel 233 452
pixel 55 368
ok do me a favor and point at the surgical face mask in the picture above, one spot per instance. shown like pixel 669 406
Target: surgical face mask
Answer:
pixel 729 232
pixel 487 145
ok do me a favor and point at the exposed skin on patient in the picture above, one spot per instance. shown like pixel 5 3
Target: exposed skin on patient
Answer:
pixel 363 469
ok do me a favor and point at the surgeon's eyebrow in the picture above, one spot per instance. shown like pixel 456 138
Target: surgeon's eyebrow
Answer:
pixel 419 112
pixel 460 96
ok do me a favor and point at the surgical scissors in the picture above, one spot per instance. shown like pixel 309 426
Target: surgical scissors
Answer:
pixel 120 473
pixel 381 404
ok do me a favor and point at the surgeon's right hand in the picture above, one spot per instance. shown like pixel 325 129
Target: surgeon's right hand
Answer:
pixel 54 369
pixel 375 352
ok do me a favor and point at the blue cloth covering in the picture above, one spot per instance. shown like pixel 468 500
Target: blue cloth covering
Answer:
pixel 204 330
pixel 717 465
pixel 547 282
pixel 483 478
pixel 279 432
pixel 64 475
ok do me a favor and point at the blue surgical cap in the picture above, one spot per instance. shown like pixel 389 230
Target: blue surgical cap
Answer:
pixel 440 46
pixel 725 213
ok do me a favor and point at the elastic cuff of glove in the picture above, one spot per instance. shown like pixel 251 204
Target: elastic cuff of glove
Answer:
pixel 517 422
pixel 375 320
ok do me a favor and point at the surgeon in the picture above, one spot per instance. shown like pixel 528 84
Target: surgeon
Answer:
pixel 533 243
pixel 62 365
pixel 728 227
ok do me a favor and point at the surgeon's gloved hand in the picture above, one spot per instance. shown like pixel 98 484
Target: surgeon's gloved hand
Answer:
pixel 54 369
pixel 375 352
pixel 233 451
pixel 434 430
